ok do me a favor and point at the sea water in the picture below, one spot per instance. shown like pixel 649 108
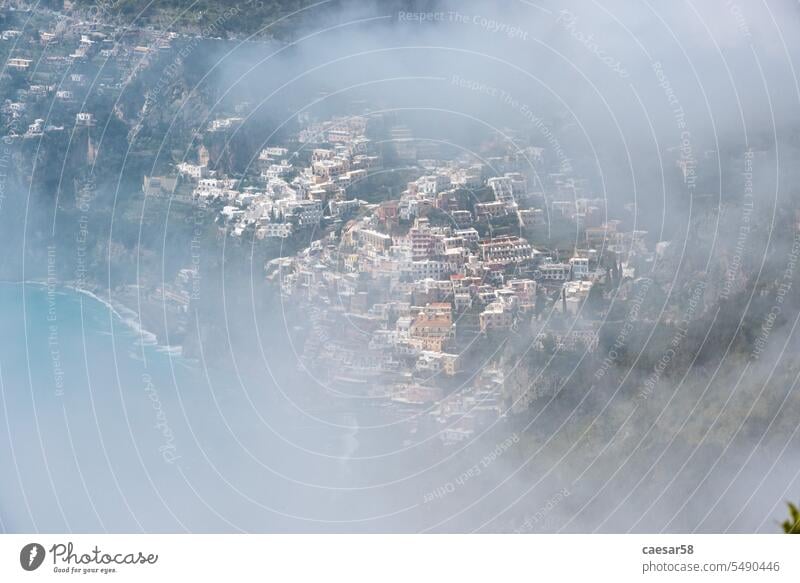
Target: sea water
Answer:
pixel 103 430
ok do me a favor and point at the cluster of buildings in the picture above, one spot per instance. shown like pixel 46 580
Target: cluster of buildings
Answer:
pixel 54 62
pixel 287 190
pixel 407 295
pixel 410 298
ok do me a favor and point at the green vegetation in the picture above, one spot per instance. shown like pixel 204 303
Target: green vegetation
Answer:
pixel 221 19
pixel 792 526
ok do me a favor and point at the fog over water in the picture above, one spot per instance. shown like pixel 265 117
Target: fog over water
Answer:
pixel 682 117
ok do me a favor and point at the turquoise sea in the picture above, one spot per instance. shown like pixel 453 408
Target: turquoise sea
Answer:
pixel 103 430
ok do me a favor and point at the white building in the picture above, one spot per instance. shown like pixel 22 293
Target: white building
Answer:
pixel 496 316
pixel 554 271
pixel 506 250
pixel 83 119
pixel 580 267
pixel 219 125
pixel 309 212
pixel 193 171
pixel 270 230
pixel 19 64
pixel 428 268
pixel 273 153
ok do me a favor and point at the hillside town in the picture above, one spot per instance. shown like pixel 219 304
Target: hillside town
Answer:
pixel 412 292
pixel 416 264
pixel 409 298
pixel 398 266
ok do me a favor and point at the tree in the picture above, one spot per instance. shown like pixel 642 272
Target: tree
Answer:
pixel 792 526
pixel 595 301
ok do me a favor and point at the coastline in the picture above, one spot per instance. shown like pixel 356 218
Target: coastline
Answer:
pixel 126 314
